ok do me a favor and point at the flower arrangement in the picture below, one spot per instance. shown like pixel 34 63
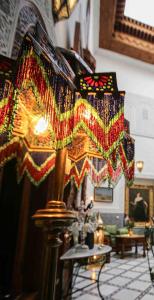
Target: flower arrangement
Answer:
pixel 129 223
pixel 85 225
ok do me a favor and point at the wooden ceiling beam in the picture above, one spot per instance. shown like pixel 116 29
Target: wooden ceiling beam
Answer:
pixel 130 41
pixel 132 51
pixel 107 20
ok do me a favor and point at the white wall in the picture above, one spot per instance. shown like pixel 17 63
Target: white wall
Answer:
pixel 133 76
pixel 118 194
pixel 137 79
pixel 65 29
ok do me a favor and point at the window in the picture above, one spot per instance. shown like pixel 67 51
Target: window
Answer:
pixel 141 11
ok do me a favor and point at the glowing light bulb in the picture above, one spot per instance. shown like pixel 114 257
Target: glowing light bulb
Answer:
pixel 41 126
pixel 87 114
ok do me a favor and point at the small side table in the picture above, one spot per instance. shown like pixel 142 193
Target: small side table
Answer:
pixel 123 240
pixel 85 258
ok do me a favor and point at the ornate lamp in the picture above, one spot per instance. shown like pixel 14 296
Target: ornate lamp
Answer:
pixel 62 9
pixel 99 234
pixel 140 165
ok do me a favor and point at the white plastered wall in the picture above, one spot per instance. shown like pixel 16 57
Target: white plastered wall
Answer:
pixel 137 79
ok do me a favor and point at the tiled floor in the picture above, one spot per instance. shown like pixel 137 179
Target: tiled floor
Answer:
pixel 121 279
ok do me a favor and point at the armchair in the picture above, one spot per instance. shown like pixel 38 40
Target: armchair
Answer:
pixel 110 232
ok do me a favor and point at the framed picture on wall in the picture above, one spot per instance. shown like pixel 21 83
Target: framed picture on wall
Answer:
pixel 139 203
pixel 103 194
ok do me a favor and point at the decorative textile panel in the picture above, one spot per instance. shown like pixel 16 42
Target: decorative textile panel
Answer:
pixel 38 164
pixel 40 92
pixel 126 155
pixel 88 120
pixel 6 89
pixel 98 171
pixel 99 110
pixel 102 120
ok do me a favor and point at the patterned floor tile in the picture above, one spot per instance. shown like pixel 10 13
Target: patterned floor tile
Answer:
pixel 126 294
pixel 120 281
pixel 77 295
pixel 148 297
pixel 140 269
pixel 107 290
pixel 134 262
pixel 151 291
pixel 83 283
pixel 105 277
pixel 138 285
pixel 145 277
pixel 114 264
pixel 131 274
pixel 88 297
pixel 115 271
pixel 125 267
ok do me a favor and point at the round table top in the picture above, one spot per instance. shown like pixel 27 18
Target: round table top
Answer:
pixel 76 254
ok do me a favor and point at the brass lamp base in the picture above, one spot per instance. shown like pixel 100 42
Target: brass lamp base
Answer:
pixel 52 219
pixel 55 215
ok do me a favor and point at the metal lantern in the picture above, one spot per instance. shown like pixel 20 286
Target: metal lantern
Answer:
pixel 62 9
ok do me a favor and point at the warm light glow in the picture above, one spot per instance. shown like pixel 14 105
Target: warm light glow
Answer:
pixel 93 275
pixel 87 114
pixel 94 257
pixel 68 166
pixel 66 235
pixel 139 165
pixel 41 126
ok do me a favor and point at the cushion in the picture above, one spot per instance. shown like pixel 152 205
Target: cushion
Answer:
pixel 123 230
pixel 106 233
pixel 112 229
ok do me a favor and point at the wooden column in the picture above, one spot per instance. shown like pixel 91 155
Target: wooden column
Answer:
pixel 58 188
pixel 22 238
pixel 53 219
pixel 1 177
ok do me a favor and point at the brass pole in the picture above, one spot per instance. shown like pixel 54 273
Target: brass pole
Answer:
pixel 50 266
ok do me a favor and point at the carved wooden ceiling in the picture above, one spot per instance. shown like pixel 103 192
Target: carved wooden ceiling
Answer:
pixel 125 35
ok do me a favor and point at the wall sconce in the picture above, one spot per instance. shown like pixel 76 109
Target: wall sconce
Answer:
pixel 139 165
pixel 62 8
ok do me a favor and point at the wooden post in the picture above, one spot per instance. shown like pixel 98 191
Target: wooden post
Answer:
pixel 22 237
pixel 1 178
pixel 58 188
pixel 53 219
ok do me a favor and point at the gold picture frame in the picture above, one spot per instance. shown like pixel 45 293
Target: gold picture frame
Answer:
pixel 103 194
pixel 147 194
